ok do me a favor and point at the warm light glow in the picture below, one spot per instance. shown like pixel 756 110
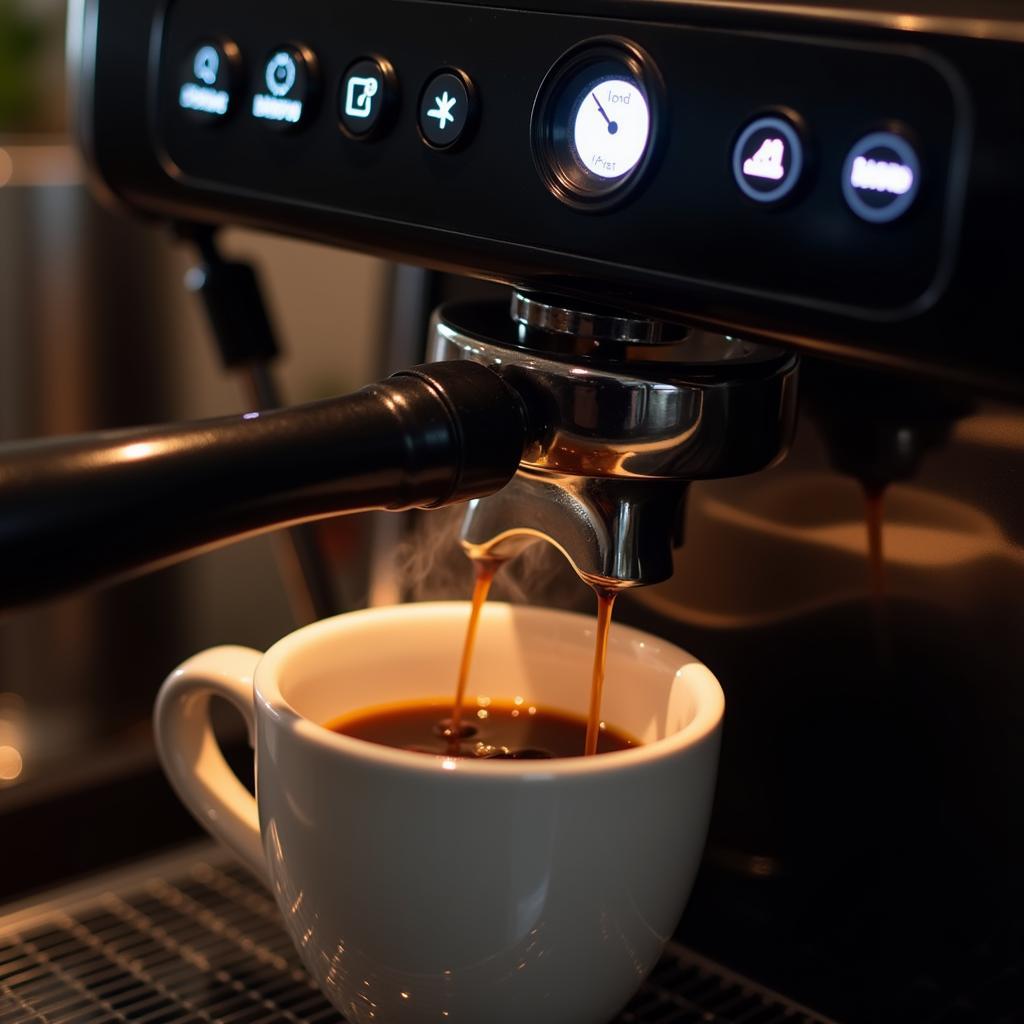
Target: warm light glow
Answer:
pixel 483 702
pixel 448 764
pixel 404 995
pixel 139 450
pixel 11 763
pixel 482 713
pixel 519 701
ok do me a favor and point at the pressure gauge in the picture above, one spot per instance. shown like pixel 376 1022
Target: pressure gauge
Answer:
pixel 611 127
pixel 595 123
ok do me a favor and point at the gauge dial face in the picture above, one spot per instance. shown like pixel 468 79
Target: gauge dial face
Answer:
pixel 595 123
pixel 611 127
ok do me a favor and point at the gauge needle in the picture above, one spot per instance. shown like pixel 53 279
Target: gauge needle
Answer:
pixel 612 126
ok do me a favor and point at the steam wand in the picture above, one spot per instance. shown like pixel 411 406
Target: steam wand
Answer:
pixel 241 326
pixel 79 510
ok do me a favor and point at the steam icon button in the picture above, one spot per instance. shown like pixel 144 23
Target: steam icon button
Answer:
pixel 208 81
pixel 768 159
pixel 286 87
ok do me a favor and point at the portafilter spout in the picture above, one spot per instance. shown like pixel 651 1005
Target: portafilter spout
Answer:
pixel 628 413
pixel 74 511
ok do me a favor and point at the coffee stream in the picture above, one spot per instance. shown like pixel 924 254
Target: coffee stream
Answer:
pixel 485 569
pixel 874 514
pixel 495 730
pixel 605 603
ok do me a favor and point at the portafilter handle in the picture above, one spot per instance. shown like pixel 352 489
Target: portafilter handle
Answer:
pixel 628 413
pixel 78 510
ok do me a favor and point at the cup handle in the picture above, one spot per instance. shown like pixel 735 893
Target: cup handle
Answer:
pixel 191 756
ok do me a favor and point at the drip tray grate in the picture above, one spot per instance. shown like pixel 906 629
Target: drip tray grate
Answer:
pixel 193 939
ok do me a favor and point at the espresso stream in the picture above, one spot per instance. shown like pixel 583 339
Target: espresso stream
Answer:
pixel 485 569
pixel 492 729
pixel 874 516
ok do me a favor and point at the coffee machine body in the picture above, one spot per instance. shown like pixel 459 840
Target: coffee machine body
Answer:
pixel 838 184
pixel 842 180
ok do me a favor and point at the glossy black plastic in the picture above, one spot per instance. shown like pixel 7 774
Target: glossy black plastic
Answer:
pixel 934 291
pixel 81 509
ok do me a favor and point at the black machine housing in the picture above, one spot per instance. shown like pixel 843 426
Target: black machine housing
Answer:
pixel 932 291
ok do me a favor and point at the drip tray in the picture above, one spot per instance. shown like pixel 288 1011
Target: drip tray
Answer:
pixel 194 939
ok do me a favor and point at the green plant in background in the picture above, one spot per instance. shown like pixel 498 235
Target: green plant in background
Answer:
pixel 21 43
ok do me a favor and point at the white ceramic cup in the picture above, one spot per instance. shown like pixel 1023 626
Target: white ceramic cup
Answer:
pixel 420 888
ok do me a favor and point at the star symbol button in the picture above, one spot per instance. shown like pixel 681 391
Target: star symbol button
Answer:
pixel 443 110
pixel 446 109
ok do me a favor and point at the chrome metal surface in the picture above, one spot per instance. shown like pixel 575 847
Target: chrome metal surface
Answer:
pixel 616 440
pixel 614 533
pixel 537 312
pixel 652 419
pixel 194 939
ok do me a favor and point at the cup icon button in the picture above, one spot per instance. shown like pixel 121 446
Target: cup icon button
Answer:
pixel 768 159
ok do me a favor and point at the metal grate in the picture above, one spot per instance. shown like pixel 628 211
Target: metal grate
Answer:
pixel 195 940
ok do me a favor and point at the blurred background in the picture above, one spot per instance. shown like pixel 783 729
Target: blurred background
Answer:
pixel 98 331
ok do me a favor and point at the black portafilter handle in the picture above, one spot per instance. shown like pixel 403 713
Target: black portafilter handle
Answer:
pixel 78 510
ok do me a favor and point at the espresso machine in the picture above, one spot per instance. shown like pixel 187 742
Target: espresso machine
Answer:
pixel 748 265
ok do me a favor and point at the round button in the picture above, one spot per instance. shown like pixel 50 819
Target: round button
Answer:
pixel 881 177
pixel 446 109
pixel 286 87
pixel 209 79
pixel 768 159
pixel 367 93
pixel 596 121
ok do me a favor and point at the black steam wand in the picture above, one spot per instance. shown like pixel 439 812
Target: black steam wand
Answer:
pixel 78 510
pixel 246 342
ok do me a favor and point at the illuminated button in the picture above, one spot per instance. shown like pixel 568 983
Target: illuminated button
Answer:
pixel 881 177
pixel 611 127
pixel 768 159
pixel 366 97
pixel 286 87
pixel 446 109
pixel 209 79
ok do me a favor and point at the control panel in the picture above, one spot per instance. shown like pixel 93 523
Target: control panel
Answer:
pixel 811 183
